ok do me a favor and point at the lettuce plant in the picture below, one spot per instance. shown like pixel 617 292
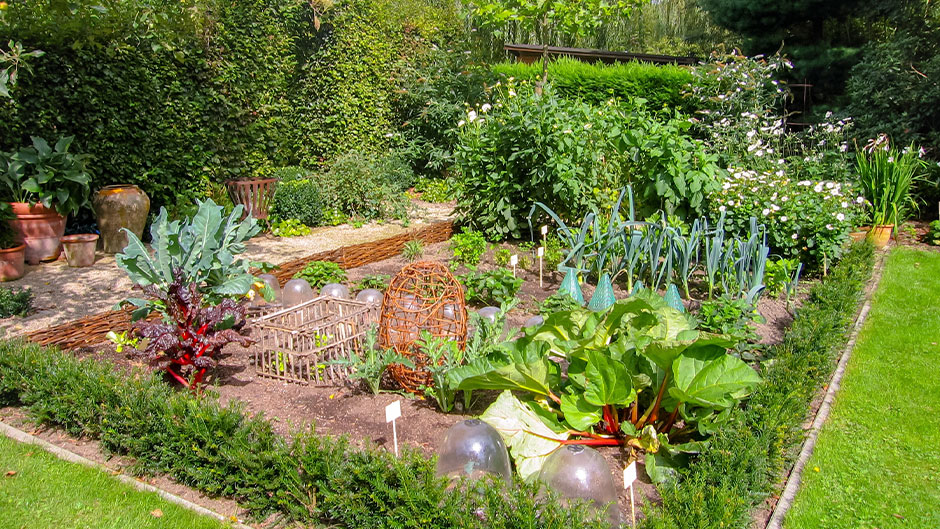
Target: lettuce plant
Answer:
pixel 638 374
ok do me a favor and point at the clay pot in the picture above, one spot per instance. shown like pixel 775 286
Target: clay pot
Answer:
pixel 859 235
pixel 40 229
pixel 12 263
pixel 880 235
pixel 80 249
pixel 120 206
pixel 254 194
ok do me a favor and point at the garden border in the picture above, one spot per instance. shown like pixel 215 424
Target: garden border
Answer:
pixel 93 329
pixel 19 435
pixel 792 487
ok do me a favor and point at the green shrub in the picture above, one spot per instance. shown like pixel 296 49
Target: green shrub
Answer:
pixel 298 197
pixel 744 460
pixel 15 301
pixel 319 273
pixel 223 450
pixel 376 281
pixel 436 190
pixel 492 287
pixel 358 185
pixel 933 233
pixel 662 85
pixel 468 247
pixel 289 228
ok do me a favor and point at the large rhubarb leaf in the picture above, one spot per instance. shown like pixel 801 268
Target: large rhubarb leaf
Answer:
pixel 608 381
pixel 579 413
pixel 529 440
pixel 522 366
pixel 708 377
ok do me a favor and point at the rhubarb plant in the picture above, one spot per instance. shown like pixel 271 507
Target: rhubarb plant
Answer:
pixel 638 374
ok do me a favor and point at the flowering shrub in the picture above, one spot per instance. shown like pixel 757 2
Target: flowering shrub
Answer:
pixel 806 219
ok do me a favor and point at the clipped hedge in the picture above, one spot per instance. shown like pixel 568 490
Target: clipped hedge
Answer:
pixel 662 86
pixel 745 459
pixel 223 451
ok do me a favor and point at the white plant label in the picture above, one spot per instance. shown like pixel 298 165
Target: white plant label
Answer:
pixel 629 475
pixel 544 231
pixel 541 251
pixel 393 411
pixel 514 260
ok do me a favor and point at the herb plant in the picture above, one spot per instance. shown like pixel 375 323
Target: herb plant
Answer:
pixel 15 301
pixel 468 247
pixel 319 273
pixel 376 281
pixel 492 287
pixel 412 251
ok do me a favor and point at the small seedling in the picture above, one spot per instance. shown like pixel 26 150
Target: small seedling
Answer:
pixel 412 251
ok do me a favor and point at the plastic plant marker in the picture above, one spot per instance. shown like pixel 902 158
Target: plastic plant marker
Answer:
pixel 571 287
pixel 603 296
pixel 393 412
pixel 541 255
pixel 514 260
pixel 629 476
pixel 673 299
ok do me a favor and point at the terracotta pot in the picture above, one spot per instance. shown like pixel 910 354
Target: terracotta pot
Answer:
pixel 255 195
pixel 860 234
pixel 120 206
pixel 12 263
pixel 40 229
pixel 880 235
pixel 80 249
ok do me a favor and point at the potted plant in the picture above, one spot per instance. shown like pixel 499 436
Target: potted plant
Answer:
pixel 886 176
pixel 44 185
pixel 12 253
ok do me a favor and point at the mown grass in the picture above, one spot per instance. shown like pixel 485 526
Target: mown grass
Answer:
pixel 877 460
pixel 39 491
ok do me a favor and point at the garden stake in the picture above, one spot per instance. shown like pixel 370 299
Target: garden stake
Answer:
pixel 392 412
pixel 514 260
pixel 629 476
pixel 541 254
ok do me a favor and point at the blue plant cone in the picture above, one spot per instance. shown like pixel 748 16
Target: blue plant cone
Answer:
pixel 603 296
pixel 637 286
pixel 571 287
pixel 673 299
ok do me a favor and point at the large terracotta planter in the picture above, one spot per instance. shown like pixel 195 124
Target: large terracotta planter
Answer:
pixel 120 206
pixel 40 229
pixel 80 249
pixel 12 263
pixel 880 235
pixel 254 194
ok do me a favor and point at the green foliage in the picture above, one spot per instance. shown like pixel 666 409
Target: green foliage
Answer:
pixel 730 317
pixel 202 250
pixel 557 303
pixel 289 228
pixel 412 251
pixel 626 358
pixel 360 185
pixel 223 450
pixel 376 281
pixel 886 177
pixel 780 274
pixel 319 273
pixel 502 256
pixel 743 461
pixel 15 301
pixel 437 190
pixel 47 174
pixel 662 86
pixel 468 247
pixel 370 363
pixel 933 233
pixel 492 287
pixel 568 16
pixel 443 355
pixel 297 196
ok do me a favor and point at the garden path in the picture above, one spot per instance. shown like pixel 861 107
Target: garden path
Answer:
pixel 63 294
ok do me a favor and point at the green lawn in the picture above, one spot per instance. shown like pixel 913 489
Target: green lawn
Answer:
pixel 877 460
pixel 47 492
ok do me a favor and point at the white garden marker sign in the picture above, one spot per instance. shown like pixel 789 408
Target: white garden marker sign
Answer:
pixel 393 412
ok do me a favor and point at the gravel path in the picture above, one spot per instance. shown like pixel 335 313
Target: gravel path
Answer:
pixel 62 294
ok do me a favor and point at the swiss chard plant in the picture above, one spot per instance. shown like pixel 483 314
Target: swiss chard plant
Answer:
pixel 186 343
pixel 638 374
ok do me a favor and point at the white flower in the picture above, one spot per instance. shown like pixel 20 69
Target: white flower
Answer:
pixel 783 218
pixel 389 135
pixel 840 217
pixel 461 123
pixel 722 208
pixel 726 185
pixel 793 236
pixel 775 207
pixel 780 173
pixel 830 227
pixel 471 116
pixel 512 93
pixel 566 131
pixel 587 126
pixel 859 200
pixel 818 188
pixel 751 133
pixel 829 185
pixel 765 212
pixel 844 204
pixel 485 107
pixel 804 183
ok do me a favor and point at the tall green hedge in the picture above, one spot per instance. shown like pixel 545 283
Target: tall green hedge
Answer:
pixel 661 85
pixel 169 95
